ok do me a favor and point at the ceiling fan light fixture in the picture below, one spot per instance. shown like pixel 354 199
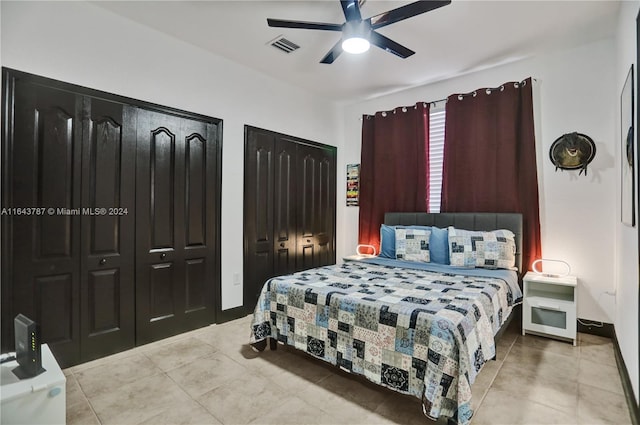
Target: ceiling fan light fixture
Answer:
pixel 355 45
pixel 358 33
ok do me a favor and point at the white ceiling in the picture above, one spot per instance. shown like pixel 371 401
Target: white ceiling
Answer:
pixel 461 37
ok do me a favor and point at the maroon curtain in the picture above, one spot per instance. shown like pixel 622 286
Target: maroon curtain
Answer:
pixel 394 167
pixel 490 158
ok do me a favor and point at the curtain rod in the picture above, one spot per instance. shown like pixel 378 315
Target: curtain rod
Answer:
pixel 488 90
pixel 460 96
pixel 404 108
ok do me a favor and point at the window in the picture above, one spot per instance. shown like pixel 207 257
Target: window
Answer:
pixel 436 156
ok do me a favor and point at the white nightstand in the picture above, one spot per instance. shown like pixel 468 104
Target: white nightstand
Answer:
pixel 549 306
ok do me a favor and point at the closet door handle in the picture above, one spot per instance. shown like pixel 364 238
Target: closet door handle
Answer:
pixel 163 256
pixel 308 240
pixel 281 244
pixel 103 261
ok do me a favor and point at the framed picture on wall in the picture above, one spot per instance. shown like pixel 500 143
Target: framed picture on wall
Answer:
pixel 353 185
pixel 627 152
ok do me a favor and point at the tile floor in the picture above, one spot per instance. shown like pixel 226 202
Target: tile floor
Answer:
pixel 211 376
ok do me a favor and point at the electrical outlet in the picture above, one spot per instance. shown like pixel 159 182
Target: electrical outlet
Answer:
pixel 236 278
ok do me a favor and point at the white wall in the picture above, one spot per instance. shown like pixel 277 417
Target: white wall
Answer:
pixel 84 44
pixel 626 317
pixel 578 214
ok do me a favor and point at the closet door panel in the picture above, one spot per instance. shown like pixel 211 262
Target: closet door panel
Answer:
pixel 258 212
pixel 284 205
pixel 105 180
pixel 161 186
pixel 197 223
pixel 54 299
pixel 307 207
pixel 325 232
pixel 316 207
pixel 161 292
pixel 157 281
pixel 103 288
pixel 195 285
pixel 46 173
pixel 174 225
pixel 196 190
pixel 107 262
pixel 54 156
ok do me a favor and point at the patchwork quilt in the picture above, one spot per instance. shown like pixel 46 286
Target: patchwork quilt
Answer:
pixel 418 332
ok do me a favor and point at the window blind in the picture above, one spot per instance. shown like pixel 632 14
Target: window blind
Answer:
pixel 436 156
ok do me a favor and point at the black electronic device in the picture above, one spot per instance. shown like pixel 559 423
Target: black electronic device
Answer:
pixel 28 354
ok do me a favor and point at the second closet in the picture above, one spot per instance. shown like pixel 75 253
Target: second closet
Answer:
pixel 289 206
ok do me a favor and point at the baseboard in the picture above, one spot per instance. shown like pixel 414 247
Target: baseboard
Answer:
pixel 606 330
pixel 231 314
pixel 634 409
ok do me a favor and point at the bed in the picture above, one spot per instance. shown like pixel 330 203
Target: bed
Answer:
pixel 416 327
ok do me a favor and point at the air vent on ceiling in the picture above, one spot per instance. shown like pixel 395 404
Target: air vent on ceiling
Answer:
pixel 283 44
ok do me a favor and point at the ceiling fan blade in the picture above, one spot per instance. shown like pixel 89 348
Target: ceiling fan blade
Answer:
pixel 351 10
pixel 405 12
pixel 304 25
pixel 333 53
pixel 389 45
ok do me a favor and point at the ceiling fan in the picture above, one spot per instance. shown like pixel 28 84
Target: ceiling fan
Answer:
pixel 358 33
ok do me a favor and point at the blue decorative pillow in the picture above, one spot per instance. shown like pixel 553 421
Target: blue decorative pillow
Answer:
pixel 439 245
pixel 491 250
pixel 387 241
pixel 412 244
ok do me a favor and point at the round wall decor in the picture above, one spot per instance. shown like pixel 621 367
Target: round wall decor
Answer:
pixel 572 151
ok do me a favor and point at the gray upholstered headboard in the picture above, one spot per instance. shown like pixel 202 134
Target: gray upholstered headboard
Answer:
pixel 468 221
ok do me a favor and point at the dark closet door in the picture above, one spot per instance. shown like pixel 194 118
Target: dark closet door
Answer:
pixel 46 170
pixel 284 207
pixel 107 287
pixel 289 206
pixel 316 207
pixel 258 212
pixel 175 216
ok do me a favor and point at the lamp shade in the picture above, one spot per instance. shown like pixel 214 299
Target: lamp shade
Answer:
pixel 536 267
pixel 364 250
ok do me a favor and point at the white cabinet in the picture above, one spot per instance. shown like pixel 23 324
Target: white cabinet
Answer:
pixel 549 306
pixel 37 400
